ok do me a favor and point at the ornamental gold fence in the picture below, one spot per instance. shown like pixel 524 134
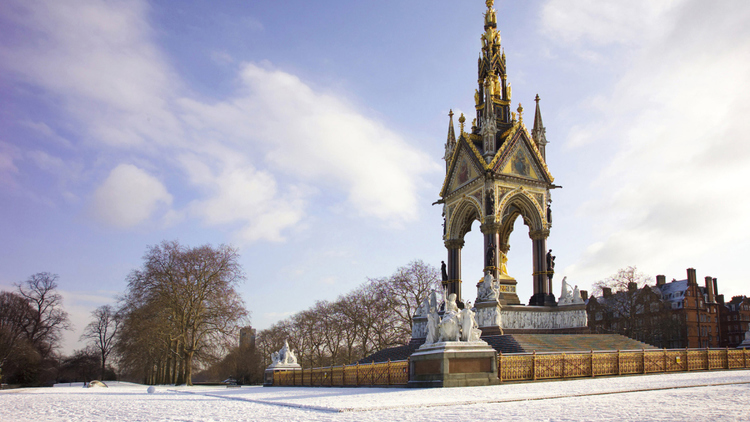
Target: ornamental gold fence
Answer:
pixel 531 366
pixel 369 374
pixel 540 366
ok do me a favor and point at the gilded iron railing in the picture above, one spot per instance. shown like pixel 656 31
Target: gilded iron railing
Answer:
pixel 532 366
pixel 536 366
pixel 369 374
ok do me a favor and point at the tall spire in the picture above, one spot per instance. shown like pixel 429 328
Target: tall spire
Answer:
pixel 450 143
pixel 492 97
pixel 538 133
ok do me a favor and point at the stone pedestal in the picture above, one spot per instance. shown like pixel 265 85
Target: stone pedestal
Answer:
pixel 507 290
pixel 453 364
pixel 546 319
pixel 745 343
pixel 489 317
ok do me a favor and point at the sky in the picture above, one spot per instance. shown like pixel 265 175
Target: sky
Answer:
pixel 310 135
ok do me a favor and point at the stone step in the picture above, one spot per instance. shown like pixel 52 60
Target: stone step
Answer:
pixel 542 343
pixel 527 343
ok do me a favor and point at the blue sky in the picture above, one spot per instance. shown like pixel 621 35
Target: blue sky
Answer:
pixel 310 135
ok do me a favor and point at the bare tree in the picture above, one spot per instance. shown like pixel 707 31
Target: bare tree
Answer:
pixel 47 319
pixel 624 304
pixel 101 333
pixel 407 288
pixel 376 315
pixel 192 293
pixel 621 280
pixel 14 313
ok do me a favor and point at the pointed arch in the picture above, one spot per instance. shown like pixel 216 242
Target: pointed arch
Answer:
pixel 462 217
pixel 516 203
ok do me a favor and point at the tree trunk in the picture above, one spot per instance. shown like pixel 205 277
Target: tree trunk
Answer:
pixel 189 368
pixel 104 363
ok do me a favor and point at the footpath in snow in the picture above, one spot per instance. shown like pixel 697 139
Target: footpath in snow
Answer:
pixel 695 396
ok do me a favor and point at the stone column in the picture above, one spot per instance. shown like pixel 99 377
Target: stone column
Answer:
pixel 542 284
pixel 453 285
pixel 492 248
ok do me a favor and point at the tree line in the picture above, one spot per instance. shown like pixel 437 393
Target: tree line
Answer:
pixel 181 312
pixel 31 325
pixel 376 315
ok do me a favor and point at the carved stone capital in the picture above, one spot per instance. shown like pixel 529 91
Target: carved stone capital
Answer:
pixel 539 234
pixel 491 228
pixel 454 243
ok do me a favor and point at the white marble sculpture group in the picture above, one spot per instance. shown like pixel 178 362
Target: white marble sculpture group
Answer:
pixel 284 357
pixel 455 325
pixel 489 288
pixel 569 296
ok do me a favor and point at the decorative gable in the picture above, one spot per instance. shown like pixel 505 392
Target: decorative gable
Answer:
pixel 466 167
pixel 464 172
pixel 519 157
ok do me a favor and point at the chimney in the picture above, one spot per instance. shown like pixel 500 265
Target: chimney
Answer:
pixel 720 299
pixel 584 295
pixel 632 286
pixel 606 291
pixel 716 288
pixel 691 277
pixel 661 280
pixel 710 289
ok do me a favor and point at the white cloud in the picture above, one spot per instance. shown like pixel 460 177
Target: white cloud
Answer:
pixel 240 194
pixel 129 196
pixel 672 192
pixel 98 60
pixel 257 157
pixel 318 137
pixel 8 154
pixel 602 22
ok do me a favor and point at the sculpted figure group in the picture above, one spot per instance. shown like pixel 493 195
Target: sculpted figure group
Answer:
pixel 285 356
pixel 455 325
pixel 569 296
pixel 488 289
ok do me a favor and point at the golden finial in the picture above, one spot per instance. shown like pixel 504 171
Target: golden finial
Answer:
pixel 462 120
pixel 520 113
pixel 450 114
pixel 490 3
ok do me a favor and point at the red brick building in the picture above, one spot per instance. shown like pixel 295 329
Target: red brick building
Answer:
pixel 677 314
pixel 735 320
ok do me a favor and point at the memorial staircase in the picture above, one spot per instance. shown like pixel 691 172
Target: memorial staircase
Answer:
pixel 527 343
pixel 543 343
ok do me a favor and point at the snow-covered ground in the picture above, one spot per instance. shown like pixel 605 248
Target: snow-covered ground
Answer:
pixel 695 396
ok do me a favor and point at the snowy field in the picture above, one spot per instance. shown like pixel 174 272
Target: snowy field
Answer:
pixel 695 396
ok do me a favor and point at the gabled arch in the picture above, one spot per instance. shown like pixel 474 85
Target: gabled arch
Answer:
pixel 518 203
pixel 463 216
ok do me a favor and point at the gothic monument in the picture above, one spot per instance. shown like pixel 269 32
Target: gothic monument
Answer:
pixel 496 171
